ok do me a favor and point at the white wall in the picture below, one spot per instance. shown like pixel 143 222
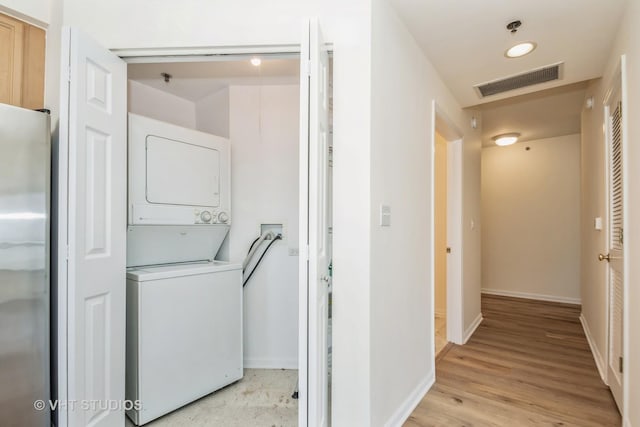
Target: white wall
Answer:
pixel 404 84
pixel 471 225
pixel 593 272
pixel 593 205
pixel 159 105
pixel 212 113
pixel 531 219
pixel 264 123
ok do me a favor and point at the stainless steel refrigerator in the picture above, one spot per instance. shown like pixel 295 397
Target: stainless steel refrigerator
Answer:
pixel 25 153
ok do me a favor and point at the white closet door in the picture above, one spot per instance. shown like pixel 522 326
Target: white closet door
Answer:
pixel 615 243
pixel 314 228
pixel 93 128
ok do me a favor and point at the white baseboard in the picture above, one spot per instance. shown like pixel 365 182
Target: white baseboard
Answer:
pixel 600 364
pixel 540 297
pixel 411 402
pixel 472 328
pixel 271 363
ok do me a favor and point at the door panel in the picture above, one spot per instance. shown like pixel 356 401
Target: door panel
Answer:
pixel 22 51
pixel 33 68
pixel 95 127
pixel 615 243
pixel 11 53
pixel 314 228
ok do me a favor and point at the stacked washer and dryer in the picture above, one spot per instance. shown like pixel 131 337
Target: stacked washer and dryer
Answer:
pixel 184 310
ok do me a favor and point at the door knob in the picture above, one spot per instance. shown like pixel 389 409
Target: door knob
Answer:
pixel 603 257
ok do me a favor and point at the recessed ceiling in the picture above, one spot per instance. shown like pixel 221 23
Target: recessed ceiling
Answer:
pixel 539 115
pixel 466 39
pixel 195 80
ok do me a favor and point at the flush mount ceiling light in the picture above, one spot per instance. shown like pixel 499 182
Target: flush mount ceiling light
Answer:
pixel 506 139
pixel 521 49
pixel 256 62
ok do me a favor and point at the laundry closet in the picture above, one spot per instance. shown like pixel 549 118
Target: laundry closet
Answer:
pixel 212 240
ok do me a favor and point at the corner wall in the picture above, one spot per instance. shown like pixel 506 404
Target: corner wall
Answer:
pixel 593 277
pixel 404 84
pixel 212 113
pixel 156 104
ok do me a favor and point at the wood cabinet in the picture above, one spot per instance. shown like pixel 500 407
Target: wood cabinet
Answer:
pixel 22 50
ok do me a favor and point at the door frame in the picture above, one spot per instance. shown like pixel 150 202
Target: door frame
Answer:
pixel 455 292
pixel 618 84
pixel 155 55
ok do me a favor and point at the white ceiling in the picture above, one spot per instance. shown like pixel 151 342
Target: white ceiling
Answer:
pixel 539 115
pixel 466 39
pixel 195 80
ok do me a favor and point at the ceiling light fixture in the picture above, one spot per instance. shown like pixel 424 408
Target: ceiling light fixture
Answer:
pixel 521 49
pixel 506 139
pixel 256 62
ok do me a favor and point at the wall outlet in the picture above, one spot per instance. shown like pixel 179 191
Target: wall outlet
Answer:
pixel 275 228
pixel 294 252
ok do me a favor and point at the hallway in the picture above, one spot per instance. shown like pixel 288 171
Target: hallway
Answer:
pixel 528 364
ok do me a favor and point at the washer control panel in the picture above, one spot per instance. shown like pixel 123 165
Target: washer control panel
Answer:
pixel 223 217
pixel 207 216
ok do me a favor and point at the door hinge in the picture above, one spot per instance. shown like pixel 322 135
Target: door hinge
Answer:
pixel 308 68
pixel 448 250
pixel 68 251
pixel 69 74
pixel 621 361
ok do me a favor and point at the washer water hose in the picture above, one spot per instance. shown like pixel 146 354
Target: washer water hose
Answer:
pixel 253 249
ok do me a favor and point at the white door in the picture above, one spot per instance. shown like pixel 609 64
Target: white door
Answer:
pixel 314 228
pixel 93 128
pixel 615 244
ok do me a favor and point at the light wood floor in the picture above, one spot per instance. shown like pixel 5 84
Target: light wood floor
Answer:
pixel 528 364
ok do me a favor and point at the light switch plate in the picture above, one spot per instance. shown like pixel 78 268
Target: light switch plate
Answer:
pixel 597 223
pixel 385 216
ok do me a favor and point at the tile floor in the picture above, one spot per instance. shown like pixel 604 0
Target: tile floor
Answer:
pixel 261 398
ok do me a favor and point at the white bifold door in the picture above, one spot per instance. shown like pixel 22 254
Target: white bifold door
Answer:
pixel 93 147
pixel 314 228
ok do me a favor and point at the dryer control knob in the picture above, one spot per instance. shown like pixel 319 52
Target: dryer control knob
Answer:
pixel 205 216
pixel 223 217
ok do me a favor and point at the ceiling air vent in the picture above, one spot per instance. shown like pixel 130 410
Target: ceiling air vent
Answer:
pixel 530 78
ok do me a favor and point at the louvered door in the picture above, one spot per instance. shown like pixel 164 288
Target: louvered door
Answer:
pixel 615 243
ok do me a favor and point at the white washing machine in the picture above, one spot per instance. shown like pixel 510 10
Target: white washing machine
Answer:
pixel 184 334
